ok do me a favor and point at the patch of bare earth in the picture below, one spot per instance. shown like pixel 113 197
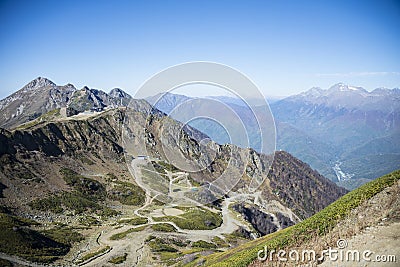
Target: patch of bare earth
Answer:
pixel 373 228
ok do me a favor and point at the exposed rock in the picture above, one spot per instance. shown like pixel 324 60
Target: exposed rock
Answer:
pixel 262 222
pixel 42 95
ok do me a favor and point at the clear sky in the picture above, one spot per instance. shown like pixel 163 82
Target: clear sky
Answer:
pixel 284 46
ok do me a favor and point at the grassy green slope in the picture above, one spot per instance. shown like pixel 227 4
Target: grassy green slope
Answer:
pixel 17 238
pixel 317 225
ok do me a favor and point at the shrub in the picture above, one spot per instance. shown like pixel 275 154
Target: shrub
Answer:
pixel 135 221
pixel 163 227
pixel 17 239
pixel 124 234
pixel 127 194
pixel 204 244
pixel 160 245
pixel 196 219
pixel 92 255
pixel 89 188
pixel 118 259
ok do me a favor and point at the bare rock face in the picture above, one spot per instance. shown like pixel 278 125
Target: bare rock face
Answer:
pixel 121 98
pixel 38 83
pixel 262 222
pixel 36 98
pixel 42 95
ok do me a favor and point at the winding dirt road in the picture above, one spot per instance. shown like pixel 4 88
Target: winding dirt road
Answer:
pixel 133 244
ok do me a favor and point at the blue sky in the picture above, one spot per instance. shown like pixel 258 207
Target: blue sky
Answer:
pixel 284 46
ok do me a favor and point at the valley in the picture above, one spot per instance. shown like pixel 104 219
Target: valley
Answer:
pixel 345 125
pixel 199 133
pixel 129 185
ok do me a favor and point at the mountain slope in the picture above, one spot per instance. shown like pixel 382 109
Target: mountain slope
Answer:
pixel 345 132
pixel 73 171
pixel 20 107
pixel 100 135
pixel 355 123
pixel 317 153
pixel 320 225
pixel 41 96
pixel 346 117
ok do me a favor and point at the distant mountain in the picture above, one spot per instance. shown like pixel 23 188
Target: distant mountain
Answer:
pixel 341 96
pixel 122 98
pixel 241 102
pixel 320 155
pixel 42 95
pixel 166 102
pixel 334 130
pixel 352 122
pixel 169 102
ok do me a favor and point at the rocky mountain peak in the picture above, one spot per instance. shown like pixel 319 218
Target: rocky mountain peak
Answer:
pixel 340 90
pixel 118 93
pixel 383 91
pixel 38 83
pixel 70 86
pixel 337 91
pixel 341 87
pixel 313 92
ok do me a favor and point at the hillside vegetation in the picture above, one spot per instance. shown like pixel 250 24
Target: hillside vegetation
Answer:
pixel 18 238
pixel 317 225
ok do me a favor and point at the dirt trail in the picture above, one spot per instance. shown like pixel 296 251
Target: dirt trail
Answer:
pixel 134 247
pixel 130 246
pixel 381 240
pixel 19 262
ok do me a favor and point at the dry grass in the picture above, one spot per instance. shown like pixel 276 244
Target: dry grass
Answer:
pixel 312 229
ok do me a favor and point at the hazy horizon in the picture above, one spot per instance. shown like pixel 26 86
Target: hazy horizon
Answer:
pixel 285 48
pixel 193 90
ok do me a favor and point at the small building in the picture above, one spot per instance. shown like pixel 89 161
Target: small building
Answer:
pixel 96 109
pixel 67 112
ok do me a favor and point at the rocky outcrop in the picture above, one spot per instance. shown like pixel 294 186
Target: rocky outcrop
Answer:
pixel 42 95
pixel 36 98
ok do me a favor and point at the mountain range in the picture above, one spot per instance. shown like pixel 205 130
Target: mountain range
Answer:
pixel 348 134
pixel 82 170
pixel 352 129
pixel 42 95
